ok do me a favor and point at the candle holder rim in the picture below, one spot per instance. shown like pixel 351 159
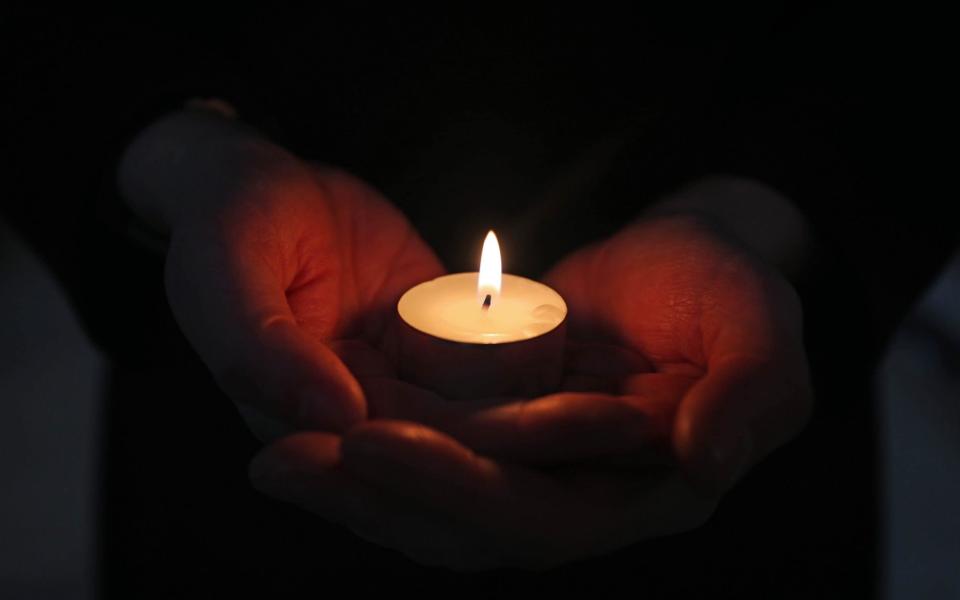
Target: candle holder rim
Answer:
pixel 396 309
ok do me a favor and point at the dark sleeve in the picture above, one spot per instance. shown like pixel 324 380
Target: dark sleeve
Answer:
pixel 80 91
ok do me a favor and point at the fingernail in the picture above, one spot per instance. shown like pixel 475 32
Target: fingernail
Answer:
pixel 317 410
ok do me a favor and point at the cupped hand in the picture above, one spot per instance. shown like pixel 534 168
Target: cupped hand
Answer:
pixel 721 329
pixel 278 271
pixel 681 340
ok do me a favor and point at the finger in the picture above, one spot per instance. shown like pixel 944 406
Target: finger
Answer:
pixel 755 394
pixel 661 395
pixel 304 469
pixel 239 207
pixel 665 389
pixel 390 398
pixel 433 470
pixel 568 427
pixel 535 520
pixel 590 383
pixel 739 412
pixel 362 359
pixel 552 429
pixel 229 299
pixel 632 506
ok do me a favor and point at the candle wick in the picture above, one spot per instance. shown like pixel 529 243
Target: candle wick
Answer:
pixel 487 301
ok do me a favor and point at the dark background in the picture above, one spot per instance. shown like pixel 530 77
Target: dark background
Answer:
pixel 551 126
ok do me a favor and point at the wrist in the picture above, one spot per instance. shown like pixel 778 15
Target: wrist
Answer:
pixel 757 215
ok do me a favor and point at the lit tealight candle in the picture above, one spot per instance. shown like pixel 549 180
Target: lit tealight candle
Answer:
pixel 486 334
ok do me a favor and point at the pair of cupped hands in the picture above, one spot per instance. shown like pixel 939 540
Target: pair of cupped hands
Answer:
pixel 684 366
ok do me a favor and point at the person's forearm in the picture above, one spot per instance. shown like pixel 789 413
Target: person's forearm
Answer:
pixel 758 215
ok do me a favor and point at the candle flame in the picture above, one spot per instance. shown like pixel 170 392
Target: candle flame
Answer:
pixel 488 283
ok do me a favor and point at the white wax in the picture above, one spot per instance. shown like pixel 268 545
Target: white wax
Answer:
pixel 448 308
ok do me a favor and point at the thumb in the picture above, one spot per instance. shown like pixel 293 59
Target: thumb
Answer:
pixel 738 413
pixel 238 206
pixel 232 307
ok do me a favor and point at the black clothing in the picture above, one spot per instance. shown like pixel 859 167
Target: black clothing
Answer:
pixel 552 128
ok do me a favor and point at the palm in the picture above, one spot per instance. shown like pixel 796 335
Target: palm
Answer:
pixel 690 302
pixel 347 289
pixel 285 288
pixel 358 255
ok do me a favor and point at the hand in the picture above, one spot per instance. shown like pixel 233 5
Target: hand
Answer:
pixel 722 330
pixel 697 345
pixel 278 271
